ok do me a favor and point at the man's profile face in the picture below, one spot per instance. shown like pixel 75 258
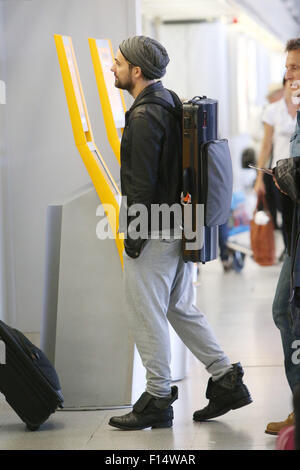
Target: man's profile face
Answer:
pixel 122 72
pixel 292 66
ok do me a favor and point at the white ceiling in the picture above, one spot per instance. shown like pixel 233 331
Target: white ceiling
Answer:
pixel 293 6
pixel 185 9
pixel 277 16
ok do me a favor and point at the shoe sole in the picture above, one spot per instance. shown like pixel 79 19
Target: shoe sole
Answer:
pixel 272 433
pixel 238 404
pixel 164 424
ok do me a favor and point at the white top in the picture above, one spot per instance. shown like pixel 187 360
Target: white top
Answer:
pixel 276 115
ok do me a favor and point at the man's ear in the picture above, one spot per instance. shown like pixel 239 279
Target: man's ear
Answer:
pixel 137 72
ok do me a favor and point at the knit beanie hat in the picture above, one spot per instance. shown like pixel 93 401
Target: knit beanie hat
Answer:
pixel 146 53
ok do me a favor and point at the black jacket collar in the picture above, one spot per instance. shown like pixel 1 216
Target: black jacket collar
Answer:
pixel 157 86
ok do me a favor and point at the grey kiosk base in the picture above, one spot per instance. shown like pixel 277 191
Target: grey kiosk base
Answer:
pixel 84 329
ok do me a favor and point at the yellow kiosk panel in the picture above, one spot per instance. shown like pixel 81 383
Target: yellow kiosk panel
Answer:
pixel 111 98
pixel 102 179
pixel 76 84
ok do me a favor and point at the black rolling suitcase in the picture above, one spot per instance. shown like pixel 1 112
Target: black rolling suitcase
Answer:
pixel 27 379
pixel 207 180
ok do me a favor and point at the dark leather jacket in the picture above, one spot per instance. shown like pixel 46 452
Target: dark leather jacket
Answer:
pixel 287 175
pixel 151 163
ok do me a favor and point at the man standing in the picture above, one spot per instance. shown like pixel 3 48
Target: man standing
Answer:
pixel 158 284
pixel 290 269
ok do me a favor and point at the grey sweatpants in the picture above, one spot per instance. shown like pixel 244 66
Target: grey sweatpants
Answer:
pixel 159 287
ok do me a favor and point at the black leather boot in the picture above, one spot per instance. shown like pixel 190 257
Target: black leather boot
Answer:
pixel 148 411
pixel 227 393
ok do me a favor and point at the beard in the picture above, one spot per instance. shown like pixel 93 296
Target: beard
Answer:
pixel 124 84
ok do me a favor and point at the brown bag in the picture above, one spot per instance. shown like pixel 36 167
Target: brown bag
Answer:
pixel 262 237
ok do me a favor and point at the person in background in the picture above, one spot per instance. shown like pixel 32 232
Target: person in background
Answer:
pixel 279 118
pixel 286 304
pixel 276 92
pixel 233 259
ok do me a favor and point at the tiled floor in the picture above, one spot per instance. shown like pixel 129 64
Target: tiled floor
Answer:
pixel 239 308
